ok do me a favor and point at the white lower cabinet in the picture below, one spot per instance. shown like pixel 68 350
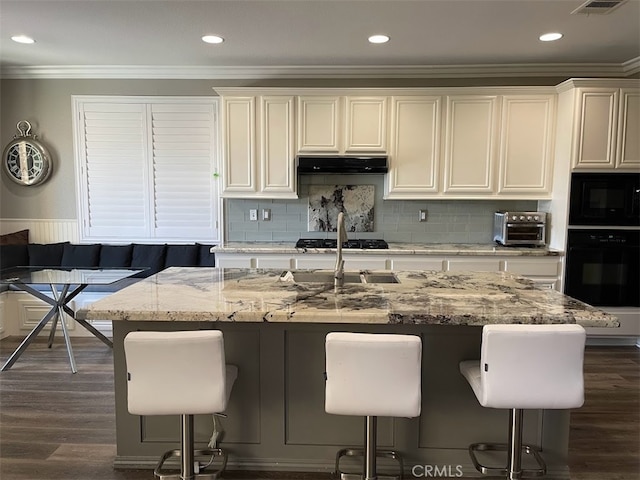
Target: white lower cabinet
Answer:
pixel 544 271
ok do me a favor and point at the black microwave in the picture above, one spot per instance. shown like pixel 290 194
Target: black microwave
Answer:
pixel 605 199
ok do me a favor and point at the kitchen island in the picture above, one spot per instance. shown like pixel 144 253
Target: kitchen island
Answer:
pixel 274 330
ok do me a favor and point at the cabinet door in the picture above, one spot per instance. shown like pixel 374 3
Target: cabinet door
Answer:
pixel 318 124
pixel 526 144
pixel 238 127
pixel 277 156
pixel 595 127
pixel 470 144
pixel 415 147
pixel 628 153
pixel 365 124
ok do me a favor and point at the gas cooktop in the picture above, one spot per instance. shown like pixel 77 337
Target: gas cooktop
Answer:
pixel 333 243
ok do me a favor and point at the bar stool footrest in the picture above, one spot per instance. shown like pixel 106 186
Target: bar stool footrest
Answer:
pixel 503 447
pixel 174 475
pixel 360 452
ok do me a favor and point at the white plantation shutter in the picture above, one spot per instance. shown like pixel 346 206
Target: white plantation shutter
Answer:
pixel 182 169
pixel 146 169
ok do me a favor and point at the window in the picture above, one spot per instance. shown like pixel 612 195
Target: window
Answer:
pixel 146 168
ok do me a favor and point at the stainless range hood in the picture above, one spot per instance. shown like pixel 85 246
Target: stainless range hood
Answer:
pixel 310 164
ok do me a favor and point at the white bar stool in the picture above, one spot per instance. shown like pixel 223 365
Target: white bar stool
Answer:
pixel 525 367
pixel 179 373
pixel 372 375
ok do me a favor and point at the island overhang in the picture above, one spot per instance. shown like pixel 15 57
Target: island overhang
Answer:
pixel 420 298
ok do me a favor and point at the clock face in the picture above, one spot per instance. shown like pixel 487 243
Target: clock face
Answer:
pixel 26 162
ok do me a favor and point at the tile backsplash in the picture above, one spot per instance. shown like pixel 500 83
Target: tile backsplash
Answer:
pixel 448 221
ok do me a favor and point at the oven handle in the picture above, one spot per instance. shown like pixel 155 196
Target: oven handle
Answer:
pixel 525 224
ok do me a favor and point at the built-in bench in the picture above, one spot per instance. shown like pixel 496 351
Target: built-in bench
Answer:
pixel 150 257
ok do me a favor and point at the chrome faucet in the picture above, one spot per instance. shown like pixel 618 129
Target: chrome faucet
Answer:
pixel 338 273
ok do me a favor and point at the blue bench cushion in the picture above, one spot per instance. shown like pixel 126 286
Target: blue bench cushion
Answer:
pixel 115 256
pixel 80 256
pixel 46 255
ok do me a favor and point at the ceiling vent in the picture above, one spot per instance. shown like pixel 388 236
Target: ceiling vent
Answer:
pixel 600 7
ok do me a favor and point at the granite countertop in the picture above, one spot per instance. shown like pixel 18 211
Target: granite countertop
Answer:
pixel 469 249
pixel 422 297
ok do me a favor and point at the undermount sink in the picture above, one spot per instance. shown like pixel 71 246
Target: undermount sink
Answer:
pixel 326 276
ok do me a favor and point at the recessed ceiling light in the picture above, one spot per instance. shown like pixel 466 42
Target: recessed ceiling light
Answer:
pixel 378 39
pixel 22 39
pixel 212 39
pixel 550 37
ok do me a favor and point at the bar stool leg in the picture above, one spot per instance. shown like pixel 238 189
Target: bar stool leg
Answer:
pixel 371 428
pixel 187 447
pixel 515 445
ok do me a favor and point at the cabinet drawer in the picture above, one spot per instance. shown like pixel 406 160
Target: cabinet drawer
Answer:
pixel 234 261
pixel 274 261
pixel 473 265
pixel 416 263
pixel 535 268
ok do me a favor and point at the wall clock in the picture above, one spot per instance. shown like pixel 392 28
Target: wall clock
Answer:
pixel 26 160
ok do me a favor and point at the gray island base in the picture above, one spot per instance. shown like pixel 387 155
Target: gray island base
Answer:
pixel 274 332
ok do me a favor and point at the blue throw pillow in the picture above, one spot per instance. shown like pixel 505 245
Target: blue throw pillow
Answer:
pixel 80 256
pixel 14 256
pixel 46 254
pixel 115 256
pixel 206 258
pixel 181 256
pixel 150 257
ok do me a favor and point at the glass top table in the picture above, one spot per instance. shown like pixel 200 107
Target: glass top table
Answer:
pixel 65 284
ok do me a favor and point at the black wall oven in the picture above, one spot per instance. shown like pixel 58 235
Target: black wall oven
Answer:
pixel 605 199
pixel 603 267
pixel 603 242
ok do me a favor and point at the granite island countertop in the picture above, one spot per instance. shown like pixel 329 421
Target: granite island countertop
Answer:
pixel 468 249
pixel 203 294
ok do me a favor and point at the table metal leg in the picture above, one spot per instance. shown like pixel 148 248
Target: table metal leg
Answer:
pixel 25 343
pixel 54 325
pixel 57 313
pixel 61 301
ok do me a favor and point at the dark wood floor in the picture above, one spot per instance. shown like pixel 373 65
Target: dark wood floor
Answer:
pixel 59 426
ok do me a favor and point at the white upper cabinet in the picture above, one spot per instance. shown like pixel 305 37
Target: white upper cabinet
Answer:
pixel 258 148
pixel 471 138
pixel 606 126
pixel 238 146
pixel 596 115
pixel 628 151
pixel 365 128
pixel 414 154
pixel 277 148
pixel 319 124
pixel 526 144
pixel 342 125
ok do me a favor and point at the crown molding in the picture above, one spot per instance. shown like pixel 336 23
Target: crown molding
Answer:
pixel 628 68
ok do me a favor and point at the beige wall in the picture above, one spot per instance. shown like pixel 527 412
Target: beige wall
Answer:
pixel 46 104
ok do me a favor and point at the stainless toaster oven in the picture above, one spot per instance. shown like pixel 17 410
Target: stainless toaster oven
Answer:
pixel 520 228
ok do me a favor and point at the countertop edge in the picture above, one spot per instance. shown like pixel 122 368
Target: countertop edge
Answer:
pixel 394 249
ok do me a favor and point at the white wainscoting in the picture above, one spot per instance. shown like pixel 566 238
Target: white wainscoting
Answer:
pixel 42 230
